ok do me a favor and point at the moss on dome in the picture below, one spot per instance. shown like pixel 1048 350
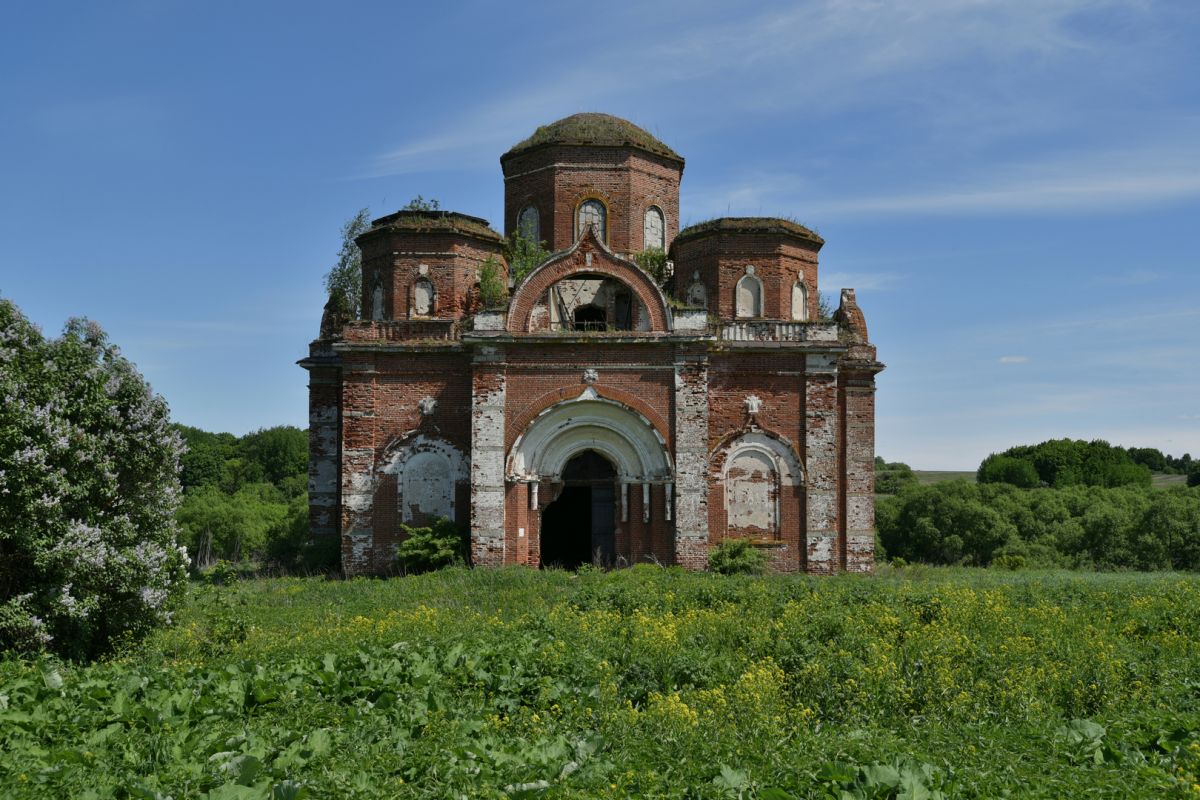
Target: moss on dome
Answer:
pixel 776 225
pixel 434 222
pixel 592 130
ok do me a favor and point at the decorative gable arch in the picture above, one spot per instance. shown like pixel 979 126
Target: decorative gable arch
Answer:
pixel 588 256
pixel 589 422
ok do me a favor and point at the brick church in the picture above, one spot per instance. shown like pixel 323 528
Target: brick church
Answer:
pixel 600 414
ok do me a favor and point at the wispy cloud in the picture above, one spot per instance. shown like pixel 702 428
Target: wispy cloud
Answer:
pixel 1153 173
pixel 770 61
pixel 1014 359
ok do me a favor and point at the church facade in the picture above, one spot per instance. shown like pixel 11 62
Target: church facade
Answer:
pixel 599 413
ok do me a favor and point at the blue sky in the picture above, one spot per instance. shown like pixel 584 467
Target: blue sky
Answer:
pixel 1013 187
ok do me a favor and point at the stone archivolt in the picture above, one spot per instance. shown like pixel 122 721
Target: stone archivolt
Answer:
pixel 592 419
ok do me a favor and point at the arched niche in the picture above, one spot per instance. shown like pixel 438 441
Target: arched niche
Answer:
pixel 428 472
pixel 377 299
pixel 654 229
pixel 697 294
pixel 799 301
pixel 748 295
pixel 589 422
pixel 759 474
pixel 424 297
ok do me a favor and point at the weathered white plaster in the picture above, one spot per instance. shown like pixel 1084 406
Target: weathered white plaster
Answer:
pixel 653 229
pixel 757 468
pixel 691 457
pixel 799 301
pixel 751 492
pixel 428 470
pixel 423 294
pixel 490 321
pixel 749 295
pixel 487 456
pixel 691 321
pixel 589 422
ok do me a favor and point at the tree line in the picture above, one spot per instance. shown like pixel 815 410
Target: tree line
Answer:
pixel 1060 503
pixel 245 499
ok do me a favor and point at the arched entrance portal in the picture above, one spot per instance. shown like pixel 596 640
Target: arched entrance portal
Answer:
pixel 596 452
pixel 579 527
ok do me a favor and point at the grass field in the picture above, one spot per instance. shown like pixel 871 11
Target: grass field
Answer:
pixel 915 683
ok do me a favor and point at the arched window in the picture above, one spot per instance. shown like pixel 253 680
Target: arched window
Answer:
pixel 748 296
pixel 426 489
pixel 592 212
pixel 529 224
pixel 429 474
pixel 762 483
pixel 654 229
pixel 799 301
pixel 423 297
pixel 752 494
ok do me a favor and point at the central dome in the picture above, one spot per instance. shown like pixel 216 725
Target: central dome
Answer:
pixel 593 130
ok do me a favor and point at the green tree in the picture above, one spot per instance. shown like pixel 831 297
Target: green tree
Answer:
pixel 493 288
pixel 1006 469
pixel 89 465
pixel 343 282
pixel 894 477
pixel 234 527
pixel 523 253
pixel 1066 462
pixel 654 262
pixel 203 461
pixel 281 451
pixel 946 523
pixel 1152 458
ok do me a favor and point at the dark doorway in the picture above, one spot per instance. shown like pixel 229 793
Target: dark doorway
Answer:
pixel 579 526
pixel 623 310
pixel 590 318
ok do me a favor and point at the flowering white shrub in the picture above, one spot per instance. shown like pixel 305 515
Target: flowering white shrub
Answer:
pixel 89 485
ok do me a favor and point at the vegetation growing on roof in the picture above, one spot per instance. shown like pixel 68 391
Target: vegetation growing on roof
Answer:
pixel 779 225
pixel 523 254
pixel 593 130
pixel 423 221
pixel 654 262
pixel 493 289
pixel 419 203
pixel 343 282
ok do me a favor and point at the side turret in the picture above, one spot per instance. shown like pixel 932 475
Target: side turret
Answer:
pixel 424 264
pixel 748 268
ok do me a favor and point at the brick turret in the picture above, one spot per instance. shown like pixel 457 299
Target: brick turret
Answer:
pixel 423 264
pixel 593 164
pixel 748 267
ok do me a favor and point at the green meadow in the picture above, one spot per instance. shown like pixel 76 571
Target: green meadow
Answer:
pixel 646 682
